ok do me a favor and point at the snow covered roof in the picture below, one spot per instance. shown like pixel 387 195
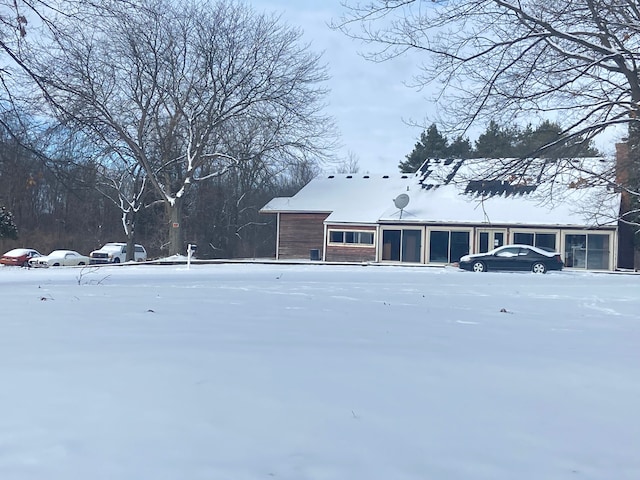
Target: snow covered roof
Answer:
pixel 352 198
pixel 514 175
pixel 443 191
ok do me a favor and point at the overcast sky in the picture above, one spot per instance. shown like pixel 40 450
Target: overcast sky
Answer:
pixel 370 102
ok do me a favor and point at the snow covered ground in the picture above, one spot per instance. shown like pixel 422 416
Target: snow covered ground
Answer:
pixel 316 372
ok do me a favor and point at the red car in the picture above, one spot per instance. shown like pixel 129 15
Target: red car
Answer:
pixel 19 257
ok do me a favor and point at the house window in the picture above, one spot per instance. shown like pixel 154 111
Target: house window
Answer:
pixel 402 245
pixel 591 251
pixel 536 239
pixel 523 238
pixel 545 240
pixel 336 237
pixel 447 246
pixel 350 237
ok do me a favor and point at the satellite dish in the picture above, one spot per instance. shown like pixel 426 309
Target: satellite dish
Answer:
pixel 401 201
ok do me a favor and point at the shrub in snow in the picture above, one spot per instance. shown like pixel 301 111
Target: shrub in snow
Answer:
pixel 8 229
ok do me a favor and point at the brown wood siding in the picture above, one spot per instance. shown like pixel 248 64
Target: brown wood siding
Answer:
pixel 344 253
pixel 351 254
pixel 300 233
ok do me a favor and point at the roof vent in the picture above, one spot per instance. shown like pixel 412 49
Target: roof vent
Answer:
pixel 366 176
pixel 331 176
pixel 385 176
pixel 349 176
pixel 404 176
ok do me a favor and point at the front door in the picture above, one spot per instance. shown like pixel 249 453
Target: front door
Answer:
pixel 490 238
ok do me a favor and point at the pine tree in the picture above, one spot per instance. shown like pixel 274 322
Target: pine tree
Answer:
pixel 460 148
pixel 538 143
pixel 8 229
pixel 499 142
pixel 496 142
pixel 432 144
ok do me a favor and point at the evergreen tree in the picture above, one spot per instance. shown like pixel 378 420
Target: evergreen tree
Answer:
pixel 432 144
pixel 499 142
pixel 460 148
pixel 547 140
pixel 532 143
pixel 7 228
pixel 496 142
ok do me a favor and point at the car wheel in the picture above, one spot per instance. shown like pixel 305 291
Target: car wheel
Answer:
pixel 539 267
pixel 56 264
pixel 116 260
pixel 81 263
pixel 478 267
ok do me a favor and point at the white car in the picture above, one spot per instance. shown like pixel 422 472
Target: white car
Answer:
pixel 117 253
pixel 60 258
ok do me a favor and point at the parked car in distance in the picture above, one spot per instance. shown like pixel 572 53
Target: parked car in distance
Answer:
pixel 60 258
pixel 514 258
pixel 116 252
pixel 19 257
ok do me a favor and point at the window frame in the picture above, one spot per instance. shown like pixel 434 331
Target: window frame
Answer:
pixel 402 229
pixel 535 232
pixel 612 248
pixel 449 230
pixel 356 232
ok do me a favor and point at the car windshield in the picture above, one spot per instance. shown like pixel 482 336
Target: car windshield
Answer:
pixel 112 248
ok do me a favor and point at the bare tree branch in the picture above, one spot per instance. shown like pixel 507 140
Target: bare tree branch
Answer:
pixel 169 83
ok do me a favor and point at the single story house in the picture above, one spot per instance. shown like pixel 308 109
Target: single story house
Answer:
pixel 449 208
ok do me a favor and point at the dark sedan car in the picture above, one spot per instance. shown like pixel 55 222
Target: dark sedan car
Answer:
pixel 515 258
pixel 19 257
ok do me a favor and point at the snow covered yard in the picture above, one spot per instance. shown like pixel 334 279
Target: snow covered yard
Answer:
pixel 316 372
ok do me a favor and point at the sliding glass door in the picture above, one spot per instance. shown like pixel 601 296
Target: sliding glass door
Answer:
pixel 589 251
pixel 402 245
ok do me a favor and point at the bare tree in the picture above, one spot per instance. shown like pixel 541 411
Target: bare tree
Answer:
pixel 165 82
pixel 124 184
pixel 576 61
pixel 350 164
pixel 224 216
pixel 24 19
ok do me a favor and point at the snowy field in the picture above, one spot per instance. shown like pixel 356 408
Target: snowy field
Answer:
pixel 316 372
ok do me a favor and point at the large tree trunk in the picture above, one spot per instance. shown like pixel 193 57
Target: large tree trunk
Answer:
pixel 176 236
pixel 131 246
pixel 633 182
pixel 128 220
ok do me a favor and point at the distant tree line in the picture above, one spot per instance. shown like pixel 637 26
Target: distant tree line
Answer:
pixel 161 122
pixel 543 141
pixel 62 200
